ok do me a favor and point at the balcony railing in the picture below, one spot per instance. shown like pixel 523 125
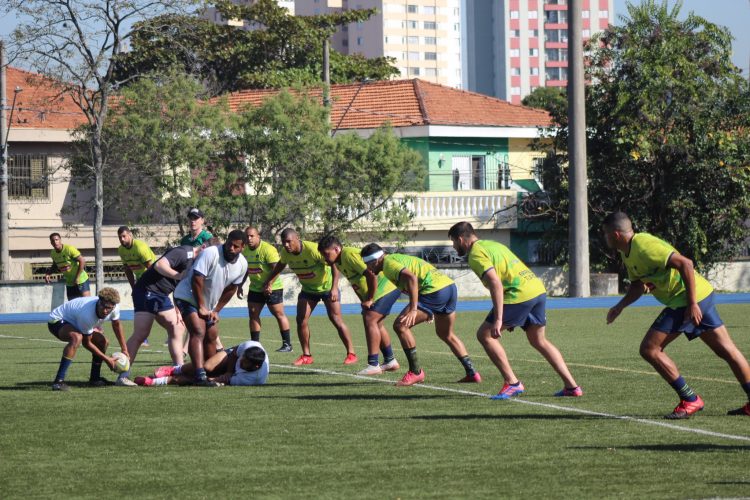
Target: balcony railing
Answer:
pixel 438 209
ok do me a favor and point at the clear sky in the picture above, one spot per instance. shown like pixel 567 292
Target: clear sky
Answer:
pixel 733 14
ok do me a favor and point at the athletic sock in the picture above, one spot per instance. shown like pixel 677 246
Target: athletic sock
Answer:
pixel 255 336
pixel 411 356
pixel 200 374
pixel 124 375
pixel 746 388
pixel 286 338
pixel 96 368
pixel 372 359
pixel 63 369
pixel 177 370
pixel 685 392
pixel 161 381
pixel 387 353
pixel 468 365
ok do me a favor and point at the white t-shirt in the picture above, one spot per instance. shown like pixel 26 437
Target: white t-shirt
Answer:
pixel 242 377
pixel 218 274
pixel 81 313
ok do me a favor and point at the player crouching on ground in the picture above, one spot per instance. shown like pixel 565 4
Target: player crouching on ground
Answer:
pixel 654 265
pixel 79 322
pixel 245 364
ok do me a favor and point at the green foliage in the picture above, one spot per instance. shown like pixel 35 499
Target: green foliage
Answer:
pixel 284 51
pixel 300 176
pixel 162 148
pixel 668 117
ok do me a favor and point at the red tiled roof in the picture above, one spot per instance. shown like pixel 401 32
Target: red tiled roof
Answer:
pixel 40 104
pixel 407 103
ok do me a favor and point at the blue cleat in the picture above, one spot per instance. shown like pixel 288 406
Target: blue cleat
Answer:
pixel 508 391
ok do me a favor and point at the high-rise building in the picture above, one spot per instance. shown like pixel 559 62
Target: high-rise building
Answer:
pixel 423 36
pixel 515 46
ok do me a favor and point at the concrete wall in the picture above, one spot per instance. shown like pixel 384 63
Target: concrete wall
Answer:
pixel 25 296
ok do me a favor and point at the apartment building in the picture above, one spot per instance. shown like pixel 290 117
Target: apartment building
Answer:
pixel 214 15
pixel 515 46
pixel 423 36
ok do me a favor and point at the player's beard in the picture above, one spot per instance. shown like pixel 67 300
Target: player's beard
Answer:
pixel 229 257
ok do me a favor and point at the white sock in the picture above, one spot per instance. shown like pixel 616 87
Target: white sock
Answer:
pixel 161 381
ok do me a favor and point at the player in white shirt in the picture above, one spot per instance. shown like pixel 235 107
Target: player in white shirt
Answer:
pixel 78 322
pixel 245 364
pixel 203 293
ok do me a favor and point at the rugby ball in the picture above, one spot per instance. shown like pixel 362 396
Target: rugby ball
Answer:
pixel 122 362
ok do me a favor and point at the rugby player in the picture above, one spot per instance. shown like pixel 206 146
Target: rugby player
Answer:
pixel 69 261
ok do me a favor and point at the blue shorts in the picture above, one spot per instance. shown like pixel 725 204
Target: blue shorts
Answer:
pixel 523 314
pixel 441 302
pixel 75 291
pixel 150 302
pixel 673 320
pixel 186 308
pixel 276 297
pixel 384 304
pixel 54 328
pixel 315 297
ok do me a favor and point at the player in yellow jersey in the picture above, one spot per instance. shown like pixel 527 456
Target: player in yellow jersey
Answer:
pixel 136 255
pixel 69 261
pixel 261 258
pixel 655 266
pixel 319 282
pixel 432 297
pixel 377 295
pixel 518 300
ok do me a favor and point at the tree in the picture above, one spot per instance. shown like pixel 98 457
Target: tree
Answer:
pixel 283 51
pixel 668 116
pixel 299 175
pixel 76 43
pixel 163 147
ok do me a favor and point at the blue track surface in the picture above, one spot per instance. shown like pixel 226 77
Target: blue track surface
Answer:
pixel 467 305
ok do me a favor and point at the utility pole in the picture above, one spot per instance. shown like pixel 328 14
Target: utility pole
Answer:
pixel 327 76
pixel 4 211
pixel 578 221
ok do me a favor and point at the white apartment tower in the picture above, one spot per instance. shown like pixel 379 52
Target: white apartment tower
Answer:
pixel 423 36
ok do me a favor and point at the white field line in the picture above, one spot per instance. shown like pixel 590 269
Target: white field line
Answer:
pixel 484 395
pixel 569 409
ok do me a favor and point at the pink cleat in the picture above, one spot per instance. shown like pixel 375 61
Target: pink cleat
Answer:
pixel 147 381
pixel 576 392
pixel 164 371
pixel 411 378
pixel 471 379
pixel 305 359
pixel 351 358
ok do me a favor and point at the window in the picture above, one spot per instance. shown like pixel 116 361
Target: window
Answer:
pixel 430 56
pixel 414 71
pixel 412 40
pixel 456 26
pixel 412 24
pixel 585 14
pixel 534 71
pixel 533 14
pixel 478 175
pixel 430 25
pixel 360 40
pixel 556 54
pixel 456 11
pixel 515 90
pixel 515 52
pixel 533 33
pixel 603 14
pixel 515 33
pixel 586 33
pixel 28 177
pixel 413 56
pixel 431 72
pixel 345 42
pixel 411 9
pixel 515 71
pixel 430 40
pixel 533 52
pixel 514 14
pixel 428 9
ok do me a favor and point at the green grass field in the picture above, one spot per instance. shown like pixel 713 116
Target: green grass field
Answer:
pixel 320 432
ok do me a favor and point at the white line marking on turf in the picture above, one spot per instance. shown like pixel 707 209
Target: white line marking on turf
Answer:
pixel 532 403
pixel 481 394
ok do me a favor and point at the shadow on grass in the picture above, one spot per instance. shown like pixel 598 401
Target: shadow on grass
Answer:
pixel 670 448
pixel 728 482
pixel 47 385
pixel 522 416
pixel 364 397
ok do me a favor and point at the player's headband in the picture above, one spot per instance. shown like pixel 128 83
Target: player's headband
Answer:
pixel 374 256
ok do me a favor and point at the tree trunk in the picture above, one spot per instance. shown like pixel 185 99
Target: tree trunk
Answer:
pixel 99 209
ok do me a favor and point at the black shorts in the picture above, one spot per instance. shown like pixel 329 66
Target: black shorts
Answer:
pixel 276 297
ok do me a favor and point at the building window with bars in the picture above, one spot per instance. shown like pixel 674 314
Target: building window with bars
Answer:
pixel 28 177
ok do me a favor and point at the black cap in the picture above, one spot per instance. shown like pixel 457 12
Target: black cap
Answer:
pixel 194 213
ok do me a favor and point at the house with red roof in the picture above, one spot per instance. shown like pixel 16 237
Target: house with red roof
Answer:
pixel 476 149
